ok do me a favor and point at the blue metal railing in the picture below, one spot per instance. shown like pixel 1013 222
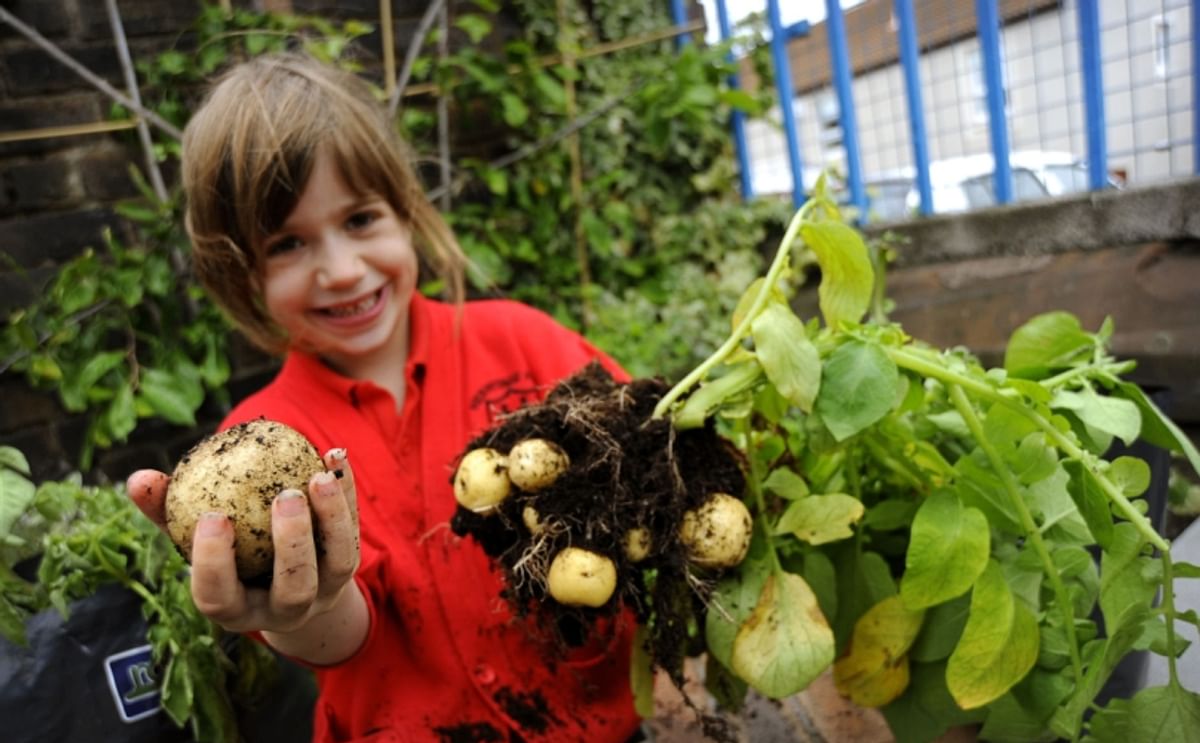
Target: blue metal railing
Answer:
pixel 910 59
pixel 988 18
pixel 738 119
pixel 780 35
pixel 843 81
pixel 1000 129
pixel 1093 92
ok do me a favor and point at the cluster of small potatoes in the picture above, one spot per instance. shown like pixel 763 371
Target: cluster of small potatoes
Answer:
pixel 485 476
pixel 715 534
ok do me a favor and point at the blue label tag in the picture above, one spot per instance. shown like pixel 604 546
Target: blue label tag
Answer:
pixel 132 682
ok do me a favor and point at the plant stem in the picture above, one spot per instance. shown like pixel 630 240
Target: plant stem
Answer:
pixel 1168 602
pixel 898 467
pixel 1114 368
pixel 906 359
pixel 754 485
pixel 1066 606
pixel 743 328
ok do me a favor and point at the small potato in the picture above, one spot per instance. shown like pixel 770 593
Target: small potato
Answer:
pixel 580 577
pixel 481 482
pixel 637 544
pixel 238 472
pixel 534 464
pixel 717 533
pixel 533 520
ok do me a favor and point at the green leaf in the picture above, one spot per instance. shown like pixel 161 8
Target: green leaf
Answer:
pixel 819 519
pixel 12 621
pixel 1160 714
pixel 1091 501
pixel 1112 415
pixel 943 626
pixel 177 691
pixel 1131 475
pixel 1024 713
pixel 172 396
pixel 641 675
pixel 926 710
pixel 74 390
pixel 120 417
pixel 860 386
pixel 863 580
pixel 746 302
pixel 998 646
pixel 44 367
pixel 787 355
pixel 515 111
pixel 1157 428
pixel 13 459
pixel 1033 460
pixel 550 89
pixel 734 599
pixel 475 26
pixel 16 493
pixel 706 400
pixel 891 515
pixel 847 278
pixel 786 484
pixel 1050 341
pixel 947 551
pixel 1126 580
pixel 739 99
pixel 786 642
pixel 822 579
pixel 728 690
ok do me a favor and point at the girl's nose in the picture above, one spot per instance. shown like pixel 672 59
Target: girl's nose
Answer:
pixel 339 264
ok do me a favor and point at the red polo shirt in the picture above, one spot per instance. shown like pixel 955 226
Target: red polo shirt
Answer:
pixel 444 658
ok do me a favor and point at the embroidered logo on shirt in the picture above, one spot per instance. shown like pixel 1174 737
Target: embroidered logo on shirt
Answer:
pixel 506 394
pixel 132 682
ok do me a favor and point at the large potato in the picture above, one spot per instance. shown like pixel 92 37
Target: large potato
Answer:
pixel 238 472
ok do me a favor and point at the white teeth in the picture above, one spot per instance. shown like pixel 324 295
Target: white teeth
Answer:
pixel 347 310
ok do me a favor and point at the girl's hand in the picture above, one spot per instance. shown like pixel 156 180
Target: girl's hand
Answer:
pixel 304 585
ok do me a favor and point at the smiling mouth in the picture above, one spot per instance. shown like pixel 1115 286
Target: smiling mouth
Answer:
pixel 366 304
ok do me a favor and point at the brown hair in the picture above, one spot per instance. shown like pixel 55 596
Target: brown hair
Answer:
pixel 248 153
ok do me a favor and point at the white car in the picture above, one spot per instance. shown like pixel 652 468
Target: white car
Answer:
pixel 964 183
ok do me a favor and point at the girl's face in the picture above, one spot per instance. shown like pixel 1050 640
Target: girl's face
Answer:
pixel 340 272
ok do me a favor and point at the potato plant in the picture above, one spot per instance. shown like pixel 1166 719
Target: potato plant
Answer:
pixel 926 528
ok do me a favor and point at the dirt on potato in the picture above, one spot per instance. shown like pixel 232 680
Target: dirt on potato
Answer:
pixel 626 471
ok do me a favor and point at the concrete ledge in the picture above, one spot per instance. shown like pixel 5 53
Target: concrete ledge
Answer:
pixel 1104 219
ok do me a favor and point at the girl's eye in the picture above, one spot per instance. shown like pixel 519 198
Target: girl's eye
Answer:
pixel 359 220
pixel 282 245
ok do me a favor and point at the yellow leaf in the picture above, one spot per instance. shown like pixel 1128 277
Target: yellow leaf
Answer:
pixel 869 679
pixel 874 670
pixel 786 642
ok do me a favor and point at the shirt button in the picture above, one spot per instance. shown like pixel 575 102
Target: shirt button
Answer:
pixel 485 674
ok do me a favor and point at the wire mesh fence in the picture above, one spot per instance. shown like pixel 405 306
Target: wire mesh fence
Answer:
pixel 1144 62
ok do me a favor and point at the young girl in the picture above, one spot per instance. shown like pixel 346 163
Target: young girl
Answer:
pixel 309 226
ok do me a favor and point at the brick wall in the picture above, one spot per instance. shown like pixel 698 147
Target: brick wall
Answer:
pixel 57 194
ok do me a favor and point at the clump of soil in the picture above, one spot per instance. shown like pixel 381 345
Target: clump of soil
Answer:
pixel 626 471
